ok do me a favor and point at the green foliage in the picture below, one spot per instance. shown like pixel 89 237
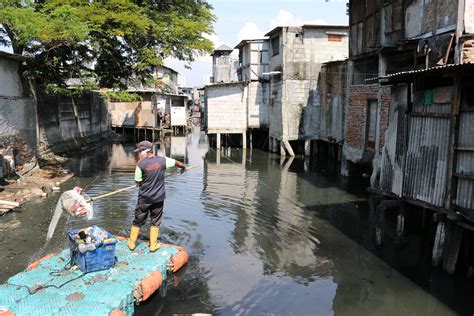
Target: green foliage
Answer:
pixel 76 90
pixel 122 37
pixel 122 96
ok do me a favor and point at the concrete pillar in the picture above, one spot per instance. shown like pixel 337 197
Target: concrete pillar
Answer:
pixel 251 143
pixel 282 149
pixel 307 148
pixel 451 247
pixel 344 166
pixel 218 156
pixel 288 148
pixel 244 140
pixel 438 246
pixel 275 145
pixel 218 140
pixel 306 165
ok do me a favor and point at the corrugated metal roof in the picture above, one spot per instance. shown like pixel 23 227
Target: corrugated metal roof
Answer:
pixel 410 73
pixel 245 41
pixel 223 47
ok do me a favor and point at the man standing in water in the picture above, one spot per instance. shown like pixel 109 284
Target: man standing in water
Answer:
pixel 150 178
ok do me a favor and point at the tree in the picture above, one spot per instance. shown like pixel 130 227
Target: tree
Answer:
pixel 121 38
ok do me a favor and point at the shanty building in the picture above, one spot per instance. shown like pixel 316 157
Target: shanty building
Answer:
pixel 426 163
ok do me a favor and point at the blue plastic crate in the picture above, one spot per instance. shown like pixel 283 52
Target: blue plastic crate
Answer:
pixel 102 258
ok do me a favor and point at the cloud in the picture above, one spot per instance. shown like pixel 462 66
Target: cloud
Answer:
pixel 287 18
pixel 250 31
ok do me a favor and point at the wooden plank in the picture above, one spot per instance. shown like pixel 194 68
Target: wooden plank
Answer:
pixel 9 203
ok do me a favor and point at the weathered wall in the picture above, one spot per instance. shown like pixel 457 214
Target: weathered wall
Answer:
pixel 356 118
pixel 17 131
pixel 226 107
pixel 258 104
pixel 17 119
pixel 303 50
pixel 332 87
pixel 254 60
pixel 275 111
pixel 131 114
pixel 10 84
pixel 65 121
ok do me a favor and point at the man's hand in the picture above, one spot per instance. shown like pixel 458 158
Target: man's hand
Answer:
pixel 181 165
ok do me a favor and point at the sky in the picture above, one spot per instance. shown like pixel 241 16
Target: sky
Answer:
pixel 246 19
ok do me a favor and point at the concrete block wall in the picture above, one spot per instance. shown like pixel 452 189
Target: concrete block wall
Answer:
pixel 303 50
pixel 226 107
pixel 258 104
pixel 275 111
pixel 300 117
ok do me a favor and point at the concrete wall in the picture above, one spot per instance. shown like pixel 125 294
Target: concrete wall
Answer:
pixel 10 84
pixel 302 52
pixel 332 87
pixel 67 121
pixel 275 111
pixel 226 107
pixel 258 104
pixel 132 114
pixel 17 119
pixel 254 60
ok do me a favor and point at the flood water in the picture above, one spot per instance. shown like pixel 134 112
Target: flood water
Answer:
pixel 265 236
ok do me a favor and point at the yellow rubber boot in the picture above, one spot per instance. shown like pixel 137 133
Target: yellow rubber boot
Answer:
pixel 132 242
pixel 154 244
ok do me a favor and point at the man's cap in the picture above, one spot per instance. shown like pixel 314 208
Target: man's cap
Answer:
pixel 144 145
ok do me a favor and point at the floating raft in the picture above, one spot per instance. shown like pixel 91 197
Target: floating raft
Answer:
pixel 48 288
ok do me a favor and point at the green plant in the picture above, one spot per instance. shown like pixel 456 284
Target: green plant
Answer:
pixel 122 96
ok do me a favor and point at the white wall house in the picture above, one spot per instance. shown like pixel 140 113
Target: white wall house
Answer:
pixel 296 56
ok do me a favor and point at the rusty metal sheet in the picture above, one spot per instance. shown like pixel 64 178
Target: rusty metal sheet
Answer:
pixel 426 159
pixel 391 178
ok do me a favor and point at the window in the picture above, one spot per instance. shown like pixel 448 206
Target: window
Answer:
pixel 371 123
pixel 275 45
pixel 334 38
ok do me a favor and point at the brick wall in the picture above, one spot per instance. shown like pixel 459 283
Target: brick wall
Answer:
pixel 356 114
pixel 384 112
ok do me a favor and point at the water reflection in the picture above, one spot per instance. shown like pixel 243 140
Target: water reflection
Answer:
pixel 265 235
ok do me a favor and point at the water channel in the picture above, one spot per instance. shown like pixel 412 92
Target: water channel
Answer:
pixel 265 236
